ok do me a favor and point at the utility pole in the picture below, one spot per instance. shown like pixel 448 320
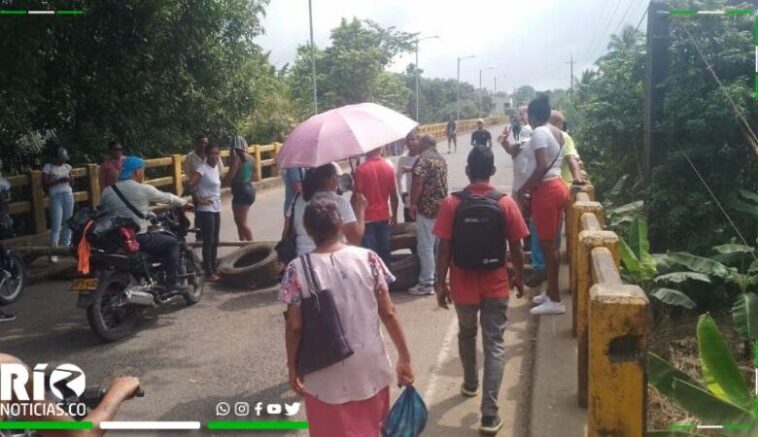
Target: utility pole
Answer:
pixel 418 72
pixel 313 60
pixel 417 117
pixel 571 82
pixel 658 42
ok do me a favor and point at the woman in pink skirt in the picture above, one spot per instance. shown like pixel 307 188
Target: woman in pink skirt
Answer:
pixel 349 398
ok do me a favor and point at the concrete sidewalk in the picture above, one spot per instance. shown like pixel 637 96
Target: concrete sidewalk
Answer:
pixel 554 407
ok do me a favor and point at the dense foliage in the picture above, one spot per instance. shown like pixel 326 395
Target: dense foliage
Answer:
pixel 353 69
pixel 699 121
pixel 148 73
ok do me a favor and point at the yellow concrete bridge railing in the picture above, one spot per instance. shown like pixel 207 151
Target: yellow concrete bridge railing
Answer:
pixel 611 323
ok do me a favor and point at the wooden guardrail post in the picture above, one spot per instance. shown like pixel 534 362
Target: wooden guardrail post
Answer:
pixel 574 226
pixel 589 239
pixel 93 173
pixel 38 202
pixel 618 334
pixel 178 174
pixel 258 165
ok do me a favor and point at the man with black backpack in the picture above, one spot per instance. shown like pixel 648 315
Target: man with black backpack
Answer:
pixel 476 227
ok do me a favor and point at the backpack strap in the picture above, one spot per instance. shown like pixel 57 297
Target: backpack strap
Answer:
pixel 496 195
pixel 462 195
pixel 128 204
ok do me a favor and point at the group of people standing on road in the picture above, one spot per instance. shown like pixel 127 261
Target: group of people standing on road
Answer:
pixel 206 174
pixel 474 237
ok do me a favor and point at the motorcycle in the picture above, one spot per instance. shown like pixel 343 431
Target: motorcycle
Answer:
pixel 12 270
pixel 123 281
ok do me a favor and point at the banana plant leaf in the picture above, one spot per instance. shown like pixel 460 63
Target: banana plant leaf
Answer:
pixel 670 296
pixel 745 315
pixel 629 259
pixel 720 371
pixel 680 277
pixel 749 195
pixel 699 264
pixel 640 245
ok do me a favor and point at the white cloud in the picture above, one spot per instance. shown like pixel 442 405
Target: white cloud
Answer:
pixel 528 41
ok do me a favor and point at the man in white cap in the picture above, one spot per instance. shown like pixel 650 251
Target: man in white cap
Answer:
pixel 481 136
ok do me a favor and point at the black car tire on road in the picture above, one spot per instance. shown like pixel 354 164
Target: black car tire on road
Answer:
pixel 403 228
pixel 405 268
pixel 251 266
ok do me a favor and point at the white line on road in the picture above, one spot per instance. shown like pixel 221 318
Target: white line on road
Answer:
pixel 149 425
pixel 447 341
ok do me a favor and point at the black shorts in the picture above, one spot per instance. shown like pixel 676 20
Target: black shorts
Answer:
pixel 243 194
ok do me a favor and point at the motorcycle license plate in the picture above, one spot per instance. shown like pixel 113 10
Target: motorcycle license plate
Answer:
pixel 84 284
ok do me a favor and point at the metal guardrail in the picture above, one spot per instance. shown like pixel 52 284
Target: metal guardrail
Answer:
pixel 611 322
pixel 168 175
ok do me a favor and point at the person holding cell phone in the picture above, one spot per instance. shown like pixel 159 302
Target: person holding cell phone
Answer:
pixel 57 179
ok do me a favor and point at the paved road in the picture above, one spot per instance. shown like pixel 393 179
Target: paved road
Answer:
pixel 230 347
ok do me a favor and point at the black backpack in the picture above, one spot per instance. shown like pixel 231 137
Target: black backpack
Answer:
pixel 479 232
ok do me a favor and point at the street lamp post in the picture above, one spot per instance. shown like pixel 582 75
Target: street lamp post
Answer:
pixel 417 71
pixel 481 93
pixel 458 87
pixel 313 59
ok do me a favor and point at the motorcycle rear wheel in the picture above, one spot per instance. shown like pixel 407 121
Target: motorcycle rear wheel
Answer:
pixel 109 316
pixel 195 278
pixel 15 280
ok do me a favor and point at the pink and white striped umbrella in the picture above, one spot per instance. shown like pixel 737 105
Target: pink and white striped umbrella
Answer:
pixel 342 133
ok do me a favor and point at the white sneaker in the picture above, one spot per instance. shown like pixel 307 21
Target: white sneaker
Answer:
pixel 548 307
pixel 54 259
pixel 421 290
pixel 540 298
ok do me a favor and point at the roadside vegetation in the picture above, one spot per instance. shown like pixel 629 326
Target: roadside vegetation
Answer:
pixel 699 268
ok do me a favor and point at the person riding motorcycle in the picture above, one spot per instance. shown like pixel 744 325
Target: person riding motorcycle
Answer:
pixel 5 221
pixel 121 389
pixel 137 198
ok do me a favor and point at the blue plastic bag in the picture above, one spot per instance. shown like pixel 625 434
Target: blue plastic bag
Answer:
pixel 407 418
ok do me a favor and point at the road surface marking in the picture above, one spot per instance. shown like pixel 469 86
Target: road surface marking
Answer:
pixel 447 341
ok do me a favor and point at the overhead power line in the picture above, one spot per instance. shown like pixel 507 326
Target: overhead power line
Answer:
pixel 602 35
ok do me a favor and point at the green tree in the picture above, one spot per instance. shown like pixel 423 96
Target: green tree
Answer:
pixel 524 95
pixel 352 69
pixel 148 73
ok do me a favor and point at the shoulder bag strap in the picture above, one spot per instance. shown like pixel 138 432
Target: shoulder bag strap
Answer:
pixel 307 272
pixel 292 214
pixel 131 207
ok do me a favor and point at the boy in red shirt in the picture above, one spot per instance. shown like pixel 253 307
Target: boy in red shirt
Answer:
pixel 375 179
pixel 473 227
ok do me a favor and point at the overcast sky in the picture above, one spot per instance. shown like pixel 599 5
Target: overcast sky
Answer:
pixel 527 41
